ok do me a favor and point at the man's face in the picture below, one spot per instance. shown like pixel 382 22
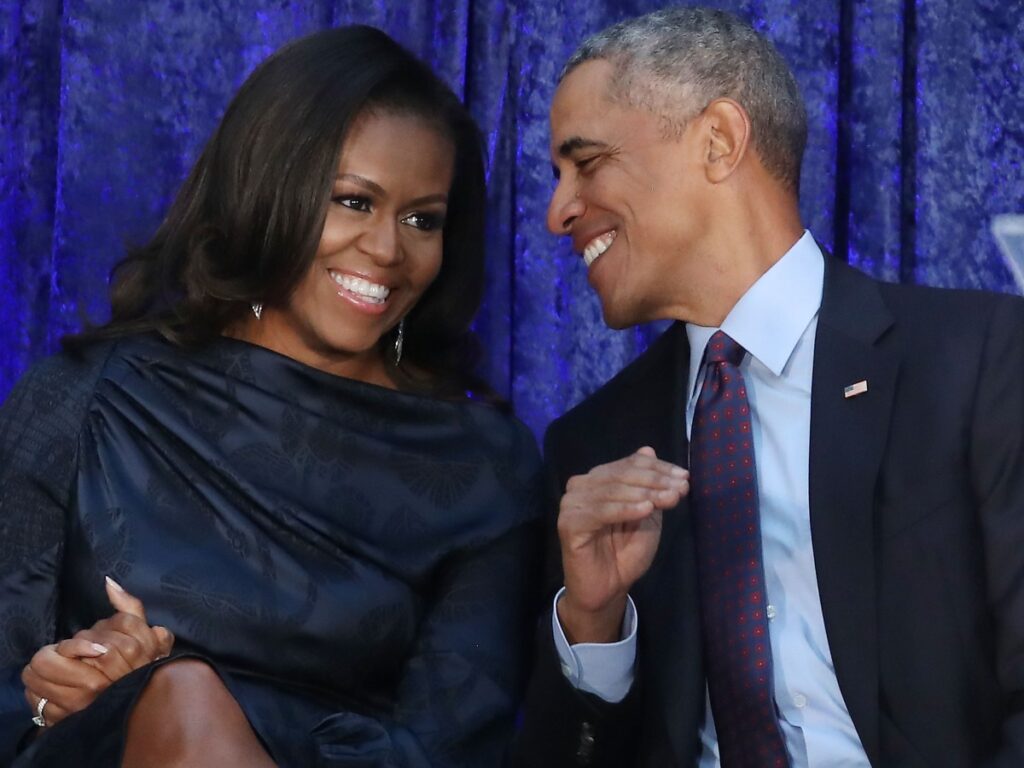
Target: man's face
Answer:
pixel 629 195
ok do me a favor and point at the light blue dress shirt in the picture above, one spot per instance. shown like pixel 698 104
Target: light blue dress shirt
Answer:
pixel 775 321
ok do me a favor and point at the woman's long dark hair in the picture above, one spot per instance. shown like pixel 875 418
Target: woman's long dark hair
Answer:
pixel 246 223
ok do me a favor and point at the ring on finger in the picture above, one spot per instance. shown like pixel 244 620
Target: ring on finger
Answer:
pixel 39 718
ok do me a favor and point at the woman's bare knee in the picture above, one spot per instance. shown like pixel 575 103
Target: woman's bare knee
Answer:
pixel 185 679
pixel 186 716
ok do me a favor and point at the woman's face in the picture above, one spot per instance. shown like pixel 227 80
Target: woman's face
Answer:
pixel 380 249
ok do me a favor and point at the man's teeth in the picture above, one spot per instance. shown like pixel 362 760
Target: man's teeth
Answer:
pixel 597 246
pixel 362 288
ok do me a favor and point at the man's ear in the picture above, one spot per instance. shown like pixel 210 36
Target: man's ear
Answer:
pixel 727 138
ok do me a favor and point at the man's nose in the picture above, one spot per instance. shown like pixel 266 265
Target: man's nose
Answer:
pixel 565 207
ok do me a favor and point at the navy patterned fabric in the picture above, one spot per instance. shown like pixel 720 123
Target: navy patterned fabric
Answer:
pixel 356 562
pixel 730 569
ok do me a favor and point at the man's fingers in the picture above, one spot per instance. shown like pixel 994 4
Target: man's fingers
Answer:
pixel 591 496
pixel 607 481
pixel 123 601
pixel 643 478
pixel 628 480
pixel 589 520
pixel 641 468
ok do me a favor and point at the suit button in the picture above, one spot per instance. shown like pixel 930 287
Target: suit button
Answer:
pixel 585 751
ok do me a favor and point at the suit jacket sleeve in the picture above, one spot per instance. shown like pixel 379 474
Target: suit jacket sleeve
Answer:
pixel 562 726
pixel 997 471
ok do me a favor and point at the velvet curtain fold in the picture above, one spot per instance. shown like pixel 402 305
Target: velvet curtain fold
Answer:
pixel 917 140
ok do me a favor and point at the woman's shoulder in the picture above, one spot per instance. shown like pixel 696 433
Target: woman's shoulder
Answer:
pixel 61 382
pixel 498 427
pixel 508 450
pixel 40 424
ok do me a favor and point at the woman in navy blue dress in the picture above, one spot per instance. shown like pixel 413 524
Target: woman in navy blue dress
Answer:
pixel 277 447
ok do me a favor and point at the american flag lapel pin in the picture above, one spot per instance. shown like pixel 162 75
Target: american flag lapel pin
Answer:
pixel 857 388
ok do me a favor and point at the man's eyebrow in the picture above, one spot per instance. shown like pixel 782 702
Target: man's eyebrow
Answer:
pixel 574 143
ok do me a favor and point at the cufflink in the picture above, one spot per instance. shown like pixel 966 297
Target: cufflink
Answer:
pixel 585 750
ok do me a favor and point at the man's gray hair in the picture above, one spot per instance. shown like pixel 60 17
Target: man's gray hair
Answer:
pixel 676 61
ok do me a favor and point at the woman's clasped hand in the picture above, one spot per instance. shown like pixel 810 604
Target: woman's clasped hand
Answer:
pixel 68 675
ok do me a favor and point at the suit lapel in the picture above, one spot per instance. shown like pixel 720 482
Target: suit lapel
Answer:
pixel 667 595
pixel 848 437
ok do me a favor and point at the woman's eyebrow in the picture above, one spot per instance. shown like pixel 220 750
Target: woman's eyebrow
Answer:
pixel 377 189
pixel 373 186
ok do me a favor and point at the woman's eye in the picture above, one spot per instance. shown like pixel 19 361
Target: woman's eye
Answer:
pixel 428 222
pixel 355 203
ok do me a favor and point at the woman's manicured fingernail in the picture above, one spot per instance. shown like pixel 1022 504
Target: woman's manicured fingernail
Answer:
pixel 114 584
pixel 99 648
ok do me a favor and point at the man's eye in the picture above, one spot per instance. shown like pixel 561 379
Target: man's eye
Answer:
pixel 584 164
pixel 427 222
pixel 355 203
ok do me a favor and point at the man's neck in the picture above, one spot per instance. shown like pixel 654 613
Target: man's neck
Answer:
pixel 734 263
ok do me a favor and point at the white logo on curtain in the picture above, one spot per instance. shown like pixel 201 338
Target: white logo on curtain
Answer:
pixel 1008 229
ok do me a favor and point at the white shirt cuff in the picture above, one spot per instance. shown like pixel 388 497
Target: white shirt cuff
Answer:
pixel 603 669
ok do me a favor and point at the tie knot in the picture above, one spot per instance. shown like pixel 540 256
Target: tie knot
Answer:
pixel 722 349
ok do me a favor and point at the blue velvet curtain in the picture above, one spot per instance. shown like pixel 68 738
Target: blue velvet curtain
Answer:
pixel 917 140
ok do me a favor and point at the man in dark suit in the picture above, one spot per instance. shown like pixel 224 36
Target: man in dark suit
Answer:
pixel 844 583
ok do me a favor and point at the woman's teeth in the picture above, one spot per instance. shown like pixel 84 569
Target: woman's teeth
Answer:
pixel 597 246
pixel 364 289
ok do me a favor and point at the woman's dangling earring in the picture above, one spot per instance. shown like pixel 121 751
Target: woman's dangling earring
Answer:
pixel 399 341
pixel 257 309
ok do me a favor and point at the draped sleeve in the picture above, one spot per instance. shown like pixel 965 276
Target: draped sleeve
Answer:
pixel 39 426
pixel 460 686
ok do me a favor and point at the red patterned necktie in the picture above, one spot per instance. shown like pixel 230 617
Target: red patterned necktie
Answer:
pixel 737 652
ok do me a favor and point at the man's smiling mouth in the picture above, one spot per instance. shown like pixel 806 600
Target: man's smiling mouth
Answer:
pixel 598 246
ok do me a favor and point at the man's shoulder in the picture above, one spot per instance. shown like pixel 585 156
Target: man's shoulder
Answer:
pixel 952 314
pixel 918 307
pixel 599 414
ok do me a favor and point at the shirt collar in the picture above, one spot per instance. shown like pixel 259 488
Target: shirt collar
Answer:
pixel 773 314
